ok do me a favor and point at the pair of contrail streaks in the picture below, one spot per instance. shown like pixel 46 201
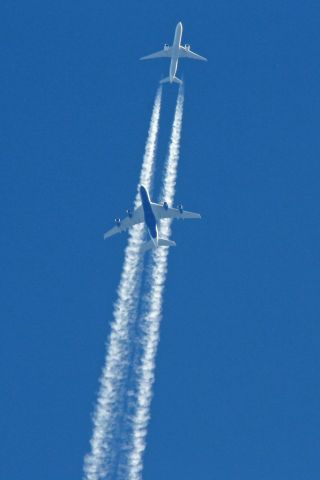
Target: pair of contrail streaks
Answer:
pixel 149 323
pixel 99 462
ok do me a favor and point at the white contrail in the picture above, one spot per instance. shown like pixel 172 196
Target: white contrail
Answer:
pixel 98 463
pixel 150 321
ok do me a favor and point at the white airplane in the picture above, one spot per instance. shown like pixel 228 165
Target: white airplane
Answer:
pixel 175 52
pixel 150 213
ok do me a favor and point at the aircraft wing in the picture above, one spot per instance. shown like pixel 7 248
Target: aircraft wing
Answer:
pixel 187 53
pixel 136 217
pixel 161 212
pixel 164 53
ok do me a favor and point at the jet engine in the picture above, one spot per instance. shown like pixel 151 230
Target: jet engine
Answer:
pixel 166 46
pixel 187 46
pixel 165 205
pixel 117 221
pixel 180 208
pixel 129 212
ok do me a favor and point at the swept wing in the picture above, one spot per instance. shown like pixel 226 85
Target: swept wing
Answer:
pixel 164 53
pixel 136 217
pixel 161 212
pixel 187 53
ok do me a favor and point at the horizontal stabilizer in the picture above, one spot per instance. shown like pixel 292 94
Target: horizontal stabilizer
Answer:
pixel 161 243
pixel 175 80
pixel 166 243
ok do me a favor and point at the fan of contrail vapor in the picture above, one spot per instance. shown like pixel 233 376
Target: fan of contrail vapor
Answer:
pixel 151 316
pixel 99 462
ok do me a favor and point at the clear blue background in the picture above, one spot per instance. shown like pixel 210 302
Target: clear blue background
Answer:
pixel 237 383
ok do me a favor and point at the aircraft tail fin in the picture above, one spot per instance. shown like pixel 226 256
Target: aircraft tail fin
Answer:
pixel 175 80
pixel 161 243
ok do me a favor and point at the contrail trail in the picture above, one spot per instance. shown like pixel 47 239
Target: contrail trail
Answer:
pixel 150 321
pixel 98 463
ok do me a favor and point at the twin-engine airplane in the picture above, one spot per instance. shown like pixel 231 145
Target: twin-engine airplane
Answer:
pixel 150 213
pixel 175 52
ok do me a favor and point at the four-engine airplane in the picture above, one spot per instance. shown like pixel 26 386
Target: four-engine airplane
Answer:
pixel 174 52
pixel 150 213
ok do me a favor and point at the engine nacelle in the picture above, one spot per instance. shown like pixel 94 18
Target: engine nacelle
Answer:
pixel 129 212
pixel 166 46
pixel 180 208
pixel 187 46
pixel 117 222
pixel 165 205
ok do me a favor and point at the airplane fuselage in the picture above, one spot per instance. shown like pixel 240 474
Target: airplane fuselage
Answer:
pixel 149 217
pixel 175 51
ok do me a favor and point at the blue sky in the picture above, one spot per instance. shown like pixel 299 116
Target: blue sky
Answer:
pixel 237 382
